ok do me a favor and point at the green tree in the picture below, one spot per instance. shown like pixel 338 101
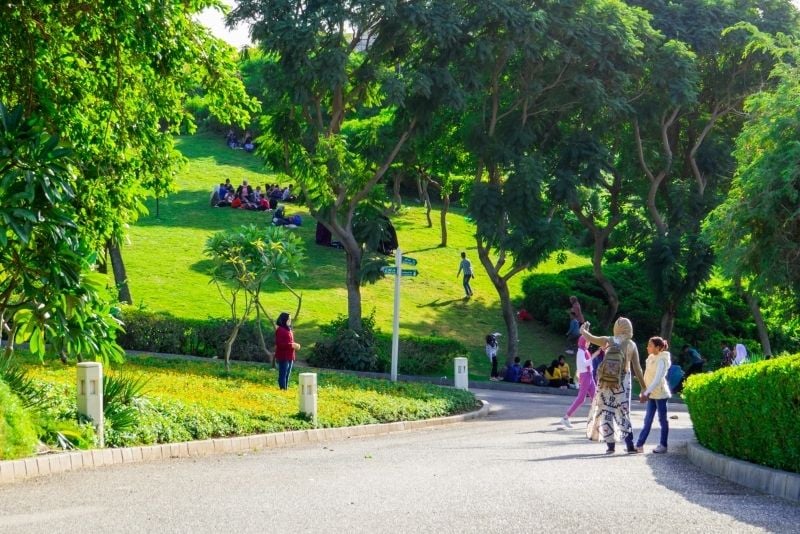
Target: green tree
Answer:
pixel 245 259
pixel 347 84
pixel 685 123
pixel 48 293
pixel 529 69
pixel 756 229
pixel 112 78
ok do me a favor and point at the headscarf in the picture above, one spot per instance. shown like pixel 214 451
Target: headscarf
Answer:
pixel 623 329
pixel 741 354
pixel 283 318
pixel 582 343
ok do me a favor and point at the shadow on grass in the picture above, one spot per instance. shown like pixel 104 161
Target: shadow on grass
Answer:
pixel 211 145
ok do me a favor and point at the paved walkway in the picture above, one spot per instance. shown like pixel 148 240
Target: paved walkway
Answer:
pixel 513 471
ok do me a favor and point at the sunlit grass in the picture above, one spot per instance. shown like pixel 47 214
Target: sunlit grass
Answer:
pixel 168 272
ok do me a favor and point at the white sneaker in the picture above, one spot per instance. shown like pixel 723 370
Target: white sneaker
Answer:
pixel 660 449
pixel 565 422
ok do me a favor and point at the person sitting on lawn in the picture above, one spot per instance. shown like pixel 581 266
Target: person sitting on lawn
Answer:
pixel 530 375
pixel 276 194
pixel 553 376
pixel 243 185
pixel 287 195
pixel 675 375
pixel 260 200
pixel 563 366
pixel 513 371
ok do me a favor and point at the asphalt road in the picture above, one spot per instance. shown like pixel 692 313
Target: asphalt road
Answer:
pixel 514 471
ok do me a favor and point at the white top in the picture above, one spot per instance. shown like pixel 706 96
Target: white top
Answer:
pixel 583 362
pixel 660 375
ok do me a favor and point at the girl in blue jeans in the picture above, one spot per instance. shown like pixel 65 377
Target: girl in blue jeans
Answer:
pixel 656 394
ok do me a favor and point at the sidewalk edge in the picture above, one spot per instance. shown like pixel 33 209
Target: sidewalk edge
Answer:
pixel 764 479
pixel 50 464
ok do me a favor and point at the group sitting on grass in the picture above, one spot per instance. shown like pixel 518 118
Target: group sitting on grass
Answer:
pixel 245 143
pixel 245 197
pixel 556 375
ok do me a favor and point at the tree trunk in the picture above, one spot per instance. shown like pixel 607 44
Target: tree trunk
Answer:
pixel 229 344
pixel 667 322
pixel 426 199
pixel 763 334
pixel 120 276
pixel 353 286
pixel 506 306
pixel 268 356
pixel 605 283
pixel 397 199
pixel 443 218
pixel 508 316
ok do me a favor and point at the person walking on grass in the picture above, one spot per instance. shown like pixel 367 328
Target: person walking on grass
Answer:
pixel 586 387
pixel 285 348
pixel 657 393
pixel 466 267
pixel 609 418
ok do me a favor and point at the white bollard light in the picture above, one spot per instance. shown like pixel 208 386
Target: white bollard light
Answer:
pixel 90 395
pixel 461 373
pixel 308 395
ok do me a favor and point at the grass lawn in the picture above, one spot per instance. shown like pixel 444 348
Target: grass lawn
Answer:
pixel 168 272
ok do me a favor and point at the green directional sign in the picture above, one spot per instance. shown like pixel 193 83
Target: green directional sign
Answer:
pixel 408 261
pixel 403 272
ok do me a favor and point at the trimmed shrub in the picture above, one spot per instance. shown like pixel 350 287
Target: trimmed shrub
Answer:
pixel 344 348
pixel 750 411
pixel 369 350
pixel 164 333
pixel 419 355
pixel 17 433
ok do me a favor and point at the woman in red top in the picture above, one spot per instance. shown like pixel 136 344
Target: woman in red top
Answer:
pixel 284 349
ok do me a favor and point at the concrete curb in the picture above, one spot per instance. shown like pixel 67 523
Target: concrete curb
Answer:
pixel 51 464
pixel 764 479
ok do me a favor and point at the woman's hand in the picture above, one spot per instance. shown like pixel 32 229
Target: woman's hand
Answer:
pixel 296 346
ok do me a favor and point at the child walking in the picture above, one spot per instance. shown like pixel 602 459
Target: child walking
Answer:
pixel 657 393
pixel 586 386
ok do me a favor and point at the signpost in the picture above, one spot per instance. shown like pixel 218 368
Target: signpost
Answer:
pixel 399 261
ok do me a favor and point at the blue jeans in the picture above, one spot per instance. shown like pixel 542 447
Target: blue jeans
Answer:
pixel 284 370
pixel 467 288
pixel 652 406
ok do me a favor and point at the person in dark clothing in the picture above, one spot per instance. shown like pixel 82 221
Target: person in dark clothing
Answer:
pixel 573 333
pixel 695 360
pixel 513 371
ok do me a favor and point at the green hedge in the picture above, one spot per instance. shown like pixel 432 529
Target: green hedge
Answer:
pixel 371 350
pixel 17 433
pixel 716 313
pixel 750 411
pixel 164 333
pixel 419 355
